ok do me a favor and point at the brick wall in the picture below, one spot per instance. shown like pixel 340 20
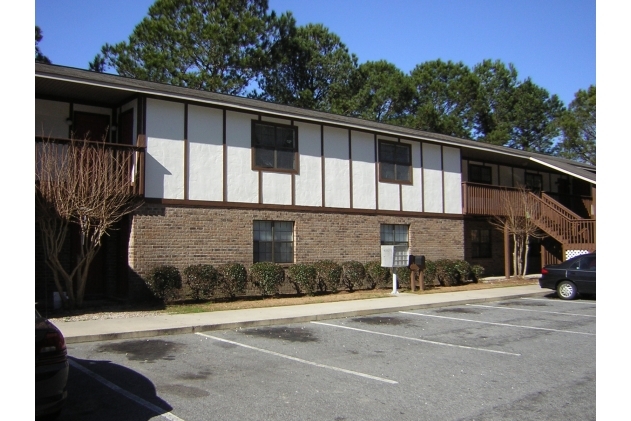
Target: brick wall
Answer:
pixel 182 236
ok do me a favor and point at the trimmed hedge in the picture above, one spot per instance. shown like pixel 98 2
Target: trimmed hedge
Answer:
pixel 267 277
pixel 353 274
pixel 328 275
pixel 376 275
pixel 233 279
pixel 201 280
pixel 165 282
pixel 304 277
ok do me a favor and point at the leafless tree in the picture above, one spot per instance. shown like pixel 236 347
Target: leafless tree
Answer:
pixel 87 184
pixel 517 211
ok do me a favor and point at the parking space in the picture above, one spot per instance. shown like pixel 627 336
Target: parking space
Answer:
pixel 514 359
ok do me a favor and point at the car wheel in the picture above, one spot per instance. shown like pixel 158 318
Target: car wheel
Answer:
pixel 566 290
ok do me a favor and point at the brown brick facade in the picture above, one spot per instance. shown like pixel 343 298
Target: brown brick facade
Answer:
pixel 183 236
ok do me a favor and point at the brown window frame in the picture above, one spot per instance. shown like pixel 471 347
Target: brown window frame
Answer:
pixel 396 162
pixel 275 242
pixel 482 168
pixel 480 252
pixel 258 146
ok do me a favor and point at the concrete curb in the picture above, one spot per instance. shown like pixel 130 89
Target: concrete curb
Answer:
pixel 263 321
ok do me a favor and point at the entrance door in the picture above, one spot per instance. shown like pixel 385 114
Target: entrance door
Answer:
pixel 126 128
pixel 90 126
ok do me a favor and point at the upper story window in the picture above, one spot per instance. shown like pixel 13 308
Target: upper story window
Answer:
pixel 273 241
pixel 275 146
pixel 394 235
pixel 534 182
pixel 395 162
pixel 480 174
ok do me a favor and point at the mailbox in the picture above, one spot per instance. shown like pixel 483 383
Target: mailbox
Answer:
pixel 416 262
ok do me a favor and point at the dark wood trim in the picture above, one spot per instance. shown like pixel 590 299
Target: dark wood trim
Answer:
pixel 187 151
pixel 293 176
pixel 376 151
pixel 225 158
pixel 401 184
pixel 350 167
pixel 70 116
pixel 423 180
pixel 323 166
pixel 442 173
pixel 310 209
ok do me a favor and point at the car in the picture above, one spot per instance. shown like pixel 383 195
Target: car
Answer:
pixel 573 277
pixel 51 369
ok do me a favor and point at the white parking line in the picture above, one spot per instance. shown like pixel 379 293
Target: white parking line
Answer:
pixel 498 324
pixel 300 360
pixel 528 309
pixel 138 400
pixel 559 301
pixel 416 339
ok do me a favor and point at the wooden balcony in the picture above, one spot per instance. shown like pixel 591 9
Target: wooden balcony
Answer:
pixel 559 222
pixel 131 158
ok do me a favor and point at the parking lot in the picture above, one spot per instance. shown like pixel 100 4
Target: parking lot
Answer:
pixel 524 358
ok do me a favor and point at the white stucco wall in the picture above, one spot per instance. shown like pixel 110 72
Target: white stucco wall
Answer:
pixel 432 178
pixel 276 188
pixel 165 150
pixel 308 182
pixel 452 180
pixel 50 118
pixel 242 182
pixel 364 170
pixel 336 168
pixel 413 194
pixel 205 158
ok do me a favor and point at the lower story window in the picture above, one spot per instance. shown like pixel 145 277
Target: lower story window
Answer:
pixel 480 243
pixel 274 241
pixel 394 235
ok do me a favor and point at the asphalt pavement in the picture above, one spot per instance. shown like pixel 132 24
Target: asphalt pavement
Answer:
pixel 176 324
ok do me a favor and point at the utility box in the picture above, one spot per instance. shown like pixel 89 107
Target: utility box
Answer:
pixel 394 256
pixel 417 262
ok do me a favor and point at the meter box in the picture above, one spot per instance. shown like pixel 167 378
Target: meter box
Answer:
pixel 394 256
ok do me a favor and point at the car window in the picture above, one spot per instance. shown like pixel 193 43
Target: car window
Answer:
pixel 586 263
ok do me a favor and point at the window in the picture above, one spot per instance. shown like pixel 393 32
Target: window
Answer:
pixel 394 235
pixel 480 243
pixel 480 174
pixel 273 241
pixel 534 182
pixel 395 162
pixel 275 146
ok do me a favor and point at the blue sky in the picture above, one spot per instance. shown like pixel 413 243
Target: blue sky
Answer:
pixel 551 41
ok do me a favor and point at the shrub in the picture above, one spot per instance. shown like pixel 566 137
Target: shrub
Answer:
pixel 232 279
pixel 353 274
pixel 304 277
pixel 476 272
pixel 165 282
pixel 328 274
pixel 429 274
pixel 201 279
pixel 376 275
pixel 403 277
pixel 267 277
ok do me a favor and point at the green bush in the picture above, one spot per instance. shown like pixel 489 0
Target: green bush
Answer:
pixel 304 277
pixel 165 282
pixel 233 279
pixel 403 277
pixel 267 277
pixel 376 275
pixel 353 274
pixel 328 274
pixel 201 280
pixel 429 274
pixel 476 272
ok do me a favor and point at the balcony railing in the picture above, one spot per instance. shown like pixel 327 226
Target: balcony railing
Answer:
pixel 131 158
pixel 550 216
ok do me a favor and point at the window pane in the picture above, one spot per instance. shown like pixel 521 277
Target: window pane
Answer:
pixel 403 155
pixel 285 159
pixel 387 234
pixel 285 138
pixel 401 234
pixel 283 252
pixel 283 231
pixel 387 171
pixel 264 135
pixel 264 158
pixel 262 230
pixel 386 152
pixel 403 173
pixel 474 236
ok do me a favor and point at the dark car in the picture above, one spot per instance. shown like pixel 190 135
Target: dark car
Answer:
pixel 573 277
pixel 51 369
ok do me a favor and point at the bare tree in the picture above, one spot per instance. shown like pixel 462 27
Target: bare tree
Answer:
pixel 517 211
pixel 88 184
